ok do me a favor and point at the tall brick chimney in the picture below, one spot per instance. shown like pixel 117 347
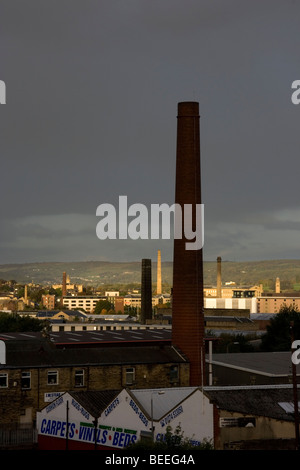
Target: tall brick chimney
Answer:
pixel 146 291
pixel 63 289
pixel 64 284
pixel 187 303
pixel 158 281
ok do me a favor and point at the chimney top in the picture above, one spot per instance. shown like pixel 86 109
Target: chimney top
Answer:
pixel 188 108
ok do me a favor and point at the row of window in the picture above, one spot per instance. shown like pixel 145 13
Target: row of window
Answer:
pixel 275 300
pixel 53 377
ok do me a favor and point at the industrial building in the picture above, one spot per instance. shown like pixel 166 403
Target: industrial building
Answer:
pixel 227 417
pixel 255 368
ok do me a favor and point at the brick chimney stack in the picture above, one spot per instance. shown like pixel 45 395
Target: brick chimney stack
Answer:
pixel 146 291
pixel 187 302
pixel 64 284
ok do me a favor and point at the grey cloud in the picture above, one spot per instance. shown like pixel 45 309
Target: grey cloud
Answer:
pixel 92 91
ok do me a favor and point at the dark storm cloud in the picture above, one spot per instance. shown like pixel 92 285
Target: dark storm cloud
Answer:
pixel 92 91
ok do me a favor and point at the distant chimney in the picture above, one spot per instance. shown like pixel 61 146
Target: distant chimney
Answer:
pixel 26 294
pixel 219 278
pixel 146 291
pixel 277 285
pixel 64 285
pixel 187 301
pixel 158 287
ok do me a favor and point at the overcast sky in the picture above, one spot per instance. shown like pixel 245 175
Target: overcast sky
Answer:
pixel 92 88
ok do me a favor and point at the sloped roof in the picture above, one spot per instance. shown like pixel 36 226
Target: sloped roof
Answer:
pixel 95 402
pixel 253 400
pixel 41 353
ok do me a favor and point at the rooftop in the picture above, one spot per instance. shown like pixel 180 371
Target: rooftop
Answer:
pixel 95 402
pixel 272 364
pixel 40 356
pixel 97 337
pixel 254 400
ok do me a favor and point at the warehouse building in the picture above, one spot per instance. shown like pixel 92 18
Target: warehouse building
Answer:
pixel 253 418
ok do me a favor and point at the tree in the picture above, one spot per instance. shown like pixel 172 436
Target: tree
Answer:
pixel 10 323
pixel 232 343
pixel 172 441
pixel 278 335
pixel 102 305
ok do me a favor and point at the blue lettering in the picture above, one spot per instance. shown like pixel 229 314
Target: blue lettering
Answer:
pixel 116 439
pixel 53 427
pixel 127 439
pixel 89 434
pixel 43 425
pixel 81 432
pixel 58 427
pixel 71 430
pixel 122 436
pixel 104 436
pixel 63 429
pixel 47 431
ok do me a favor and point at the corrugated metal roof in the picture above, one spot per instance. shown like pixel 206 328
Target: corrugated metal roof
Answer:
pixel 95 401
pixel 255 401
pixel 41 353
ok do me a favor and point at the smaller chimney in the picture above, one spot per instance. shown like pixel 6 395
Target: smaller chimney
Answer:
pixel 219 278
pixel 64 285
pixel 158 287
pixel 146 291
pixel 277 285
pixel 26 294
pixel 63 290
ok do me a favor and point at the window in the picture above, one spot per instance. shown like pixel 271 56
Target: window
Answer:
pixel 174 373
pixel 79 378
pixel 3 380
pixel 129 375
pixel 26 380
pixel 52 377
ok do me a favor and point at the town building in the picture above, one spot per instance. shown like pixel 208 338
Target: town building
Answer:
pixel 242 303
pixel 85 302
pixel 119 418
pixel 60 315
pixel 253 368
pixel 48 301
pixel 273 302
pixel 36 369
pixel 253 417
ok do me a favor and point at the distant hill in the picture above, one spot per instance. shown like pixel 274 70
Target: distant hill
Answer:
pixel 99 273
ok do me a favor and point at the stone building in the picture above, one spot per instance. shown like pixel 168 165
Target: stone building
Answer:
pixel 36 369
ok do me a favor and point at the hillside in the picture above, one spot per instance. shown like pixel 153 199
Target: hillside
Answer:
pixel 99 273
